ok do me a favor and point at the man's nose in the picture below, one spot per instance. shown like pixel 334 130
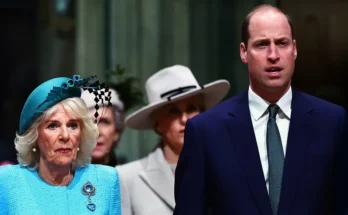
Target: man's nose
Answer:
pixel 273 54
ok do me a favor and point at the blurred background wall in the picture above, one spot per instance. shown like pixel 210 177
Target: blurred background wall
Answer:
pixel 42 39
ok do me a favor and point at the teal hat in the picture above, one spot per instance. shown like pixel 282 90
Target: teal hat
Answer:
pixel 52 92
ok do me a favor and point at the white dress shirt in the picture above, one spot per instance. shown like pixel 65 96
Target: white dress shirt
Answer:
pixel 259 117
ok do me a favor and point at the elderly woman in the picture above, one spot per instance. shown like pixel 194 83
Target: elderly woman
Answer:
pixel 174 97
pixel 55 140
pixel 110 126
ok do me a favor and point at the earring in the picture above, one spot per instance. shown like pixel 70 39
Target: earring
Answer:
pixel 78 149
pixel 34 149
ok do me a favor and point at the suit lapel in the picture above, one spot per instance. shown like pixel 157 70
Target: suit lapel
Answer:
pixel 158 176
pixel 242 136
pixel 297 149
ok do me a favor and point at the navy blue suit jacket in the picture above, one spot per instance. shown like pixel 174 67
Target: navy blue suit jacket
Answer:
pixel 219 169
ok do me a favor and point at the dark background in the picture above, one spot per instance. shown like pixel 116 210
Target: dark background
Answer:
pixel 321 67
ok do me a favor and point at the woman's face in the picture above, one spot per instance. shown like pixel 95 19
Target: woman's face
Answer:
pixel 108 134
pixel 172 120
pixel 59 138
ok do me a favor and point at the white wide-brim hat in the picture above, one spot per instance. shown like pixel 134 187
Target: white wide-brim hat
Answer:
pixel 170 85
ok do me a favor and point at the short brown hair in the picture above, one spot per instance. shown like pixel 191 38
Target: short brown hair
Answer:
pixel 245 24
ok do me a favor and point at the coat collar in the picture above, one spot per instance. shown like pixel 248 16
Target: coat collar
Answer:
pixel 159 177
pixel 300 137
pixel 258 106
pixel 242 136
pixel 245 144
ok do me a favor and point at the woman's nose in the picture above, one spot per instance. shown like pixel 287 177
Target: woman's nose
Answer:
pixel 64 134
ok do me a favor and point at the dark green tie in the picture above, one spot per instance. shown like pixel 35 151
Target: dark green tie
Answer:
pixel 275 158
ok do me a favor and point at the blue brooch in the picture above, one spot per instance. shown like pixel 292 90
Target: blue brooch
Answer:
pixel 88 189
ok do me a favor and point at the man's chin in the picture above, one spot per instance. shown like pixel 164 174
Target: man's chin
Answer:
pixel 276 85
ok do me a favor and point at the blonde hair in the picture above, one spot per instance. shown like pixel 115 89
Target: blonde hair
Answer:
pixel 75 107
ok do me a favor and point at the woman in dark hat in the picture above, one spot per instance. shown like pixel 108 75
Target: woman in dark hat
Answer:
pixel 54 143
pixel 110 127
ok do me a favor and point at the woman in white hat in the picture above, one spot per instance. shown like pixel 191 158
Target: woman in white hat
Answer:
pixel 174 96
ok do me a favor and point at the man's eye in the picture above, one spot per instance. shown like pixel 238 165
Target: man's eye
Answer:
pixel 283 43
pixel 261 44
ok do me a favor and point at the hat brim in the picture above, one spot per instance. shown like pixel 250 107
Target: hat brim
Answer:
pixel 212 93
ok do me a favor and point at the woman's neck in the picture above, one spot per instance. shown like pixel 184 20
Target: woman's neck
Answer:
pixel 170 155
pixel 58 176
pixel 104 160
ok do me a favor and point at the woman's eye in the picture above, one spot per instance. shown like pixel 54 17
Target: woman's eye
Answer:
pixel 192 109
pixel 104 121
pixel 174 110
pixel 73 125
pixel 52 126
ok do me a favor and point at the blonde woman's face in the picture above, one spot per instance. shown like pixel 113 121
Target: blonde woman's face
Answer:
pixel 59 137
pixel 172 121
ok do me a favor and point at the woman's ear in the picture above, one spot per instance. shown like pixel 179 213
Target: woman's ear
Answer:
pixel 116 136
pixel 157 129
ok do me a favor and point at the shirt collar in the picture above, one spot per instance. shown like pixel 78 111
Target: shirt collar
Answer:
pixel 258 106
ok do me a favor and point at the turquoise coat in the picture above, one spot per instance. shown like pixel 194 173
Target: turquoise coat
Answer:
pixel 23 192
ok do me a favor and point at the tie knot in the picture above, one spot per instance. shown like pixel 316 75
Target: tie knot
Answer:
pixel 273 110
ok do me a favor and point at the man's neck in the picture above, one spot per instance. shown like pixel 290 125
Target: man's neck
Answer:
pixel 271 96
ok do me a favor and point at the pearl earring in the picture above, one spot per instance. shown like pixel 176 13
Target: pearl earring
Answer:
pixel 78 149
pixel 34 149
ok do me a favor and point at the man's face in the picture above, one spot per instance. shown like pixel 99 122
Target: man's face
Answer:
pixel 271 52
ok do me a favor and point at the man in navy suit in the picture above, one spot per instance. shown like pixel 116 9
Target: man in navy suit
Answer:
pixel 271 150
